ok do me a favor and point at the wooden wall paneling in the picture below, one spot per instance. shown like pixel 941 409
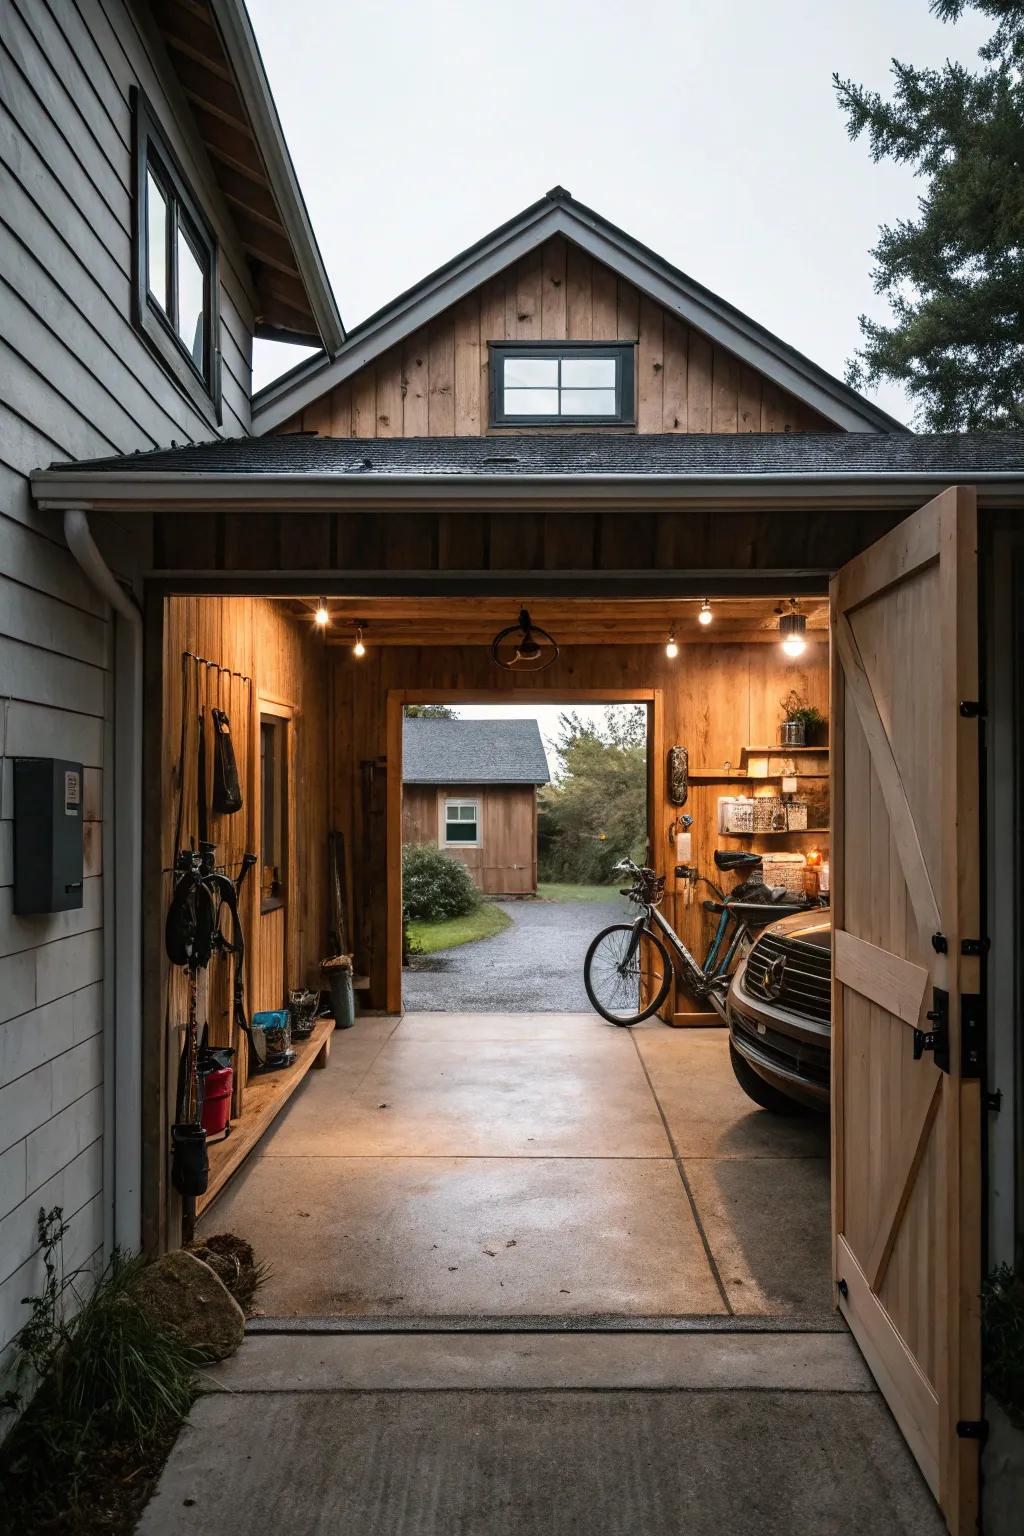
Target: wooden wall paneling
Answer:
pixel 492 328
pixel 569 541
pixel 441 397
pixel 341 410
pixel 306 541
pixel 415 384
pixel 604 303
pixel 749 417
pixel 553 298
pixel 650 368
pixel 462 541
pixel 627 312
pixel 673 417
pixel 698 383
pixel 579 277
pixel 516 543
pixel 317 416
pixel 468 397
pixel 364 403
pixel 390 401
pixel 724 391
pixel 528 298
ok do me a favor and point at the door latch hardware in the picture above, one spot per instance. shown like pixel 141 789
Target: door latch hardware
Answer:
pixel 940 943
pixel 975 946
pixel 972 1429
pixel 935 1039
pixel 994 1100
pixel 843 1288
pixel 970 709
pixel 971 1034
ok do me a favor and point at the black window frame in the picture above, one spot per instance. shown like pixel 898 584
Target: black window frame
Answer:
pixel 624 353
pixel 152 154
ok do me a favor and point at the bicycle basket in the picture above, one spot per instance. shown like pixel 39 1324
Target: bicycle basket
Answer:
pixel 650 888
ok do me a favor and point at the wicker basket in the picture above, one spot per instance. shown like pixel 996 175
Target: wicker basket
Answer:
pixel 785 869
pixel 796 815
pixel 769 814
pixel 737 814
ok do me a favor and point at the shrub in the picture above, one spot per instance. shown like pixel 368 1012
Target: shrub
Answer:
pixel 1002 1337
pixel 434 887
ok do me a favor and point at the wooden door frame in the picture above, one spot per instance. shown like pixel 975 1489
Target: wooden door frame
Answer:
pixel 397 698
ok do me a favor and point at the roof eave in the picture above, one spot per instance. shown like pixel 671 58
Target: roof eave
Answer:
pixel 242 49
pixel 647 271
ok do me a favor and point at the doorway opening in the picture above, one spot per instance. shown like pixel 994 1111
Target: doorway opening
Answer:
pixel 515 815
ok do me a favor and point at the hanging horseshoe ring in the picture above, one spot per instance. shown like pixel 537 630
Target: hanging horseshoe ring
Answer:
pixel 534 651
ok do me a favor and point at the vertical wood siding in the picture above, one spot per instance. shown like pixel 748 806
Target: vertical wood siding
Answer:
pixel 437 383
pixel 75 381
pixel 505 863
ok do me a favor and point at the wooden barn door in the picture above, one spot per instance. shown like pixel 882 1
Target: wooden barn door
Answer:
pixel 906 1020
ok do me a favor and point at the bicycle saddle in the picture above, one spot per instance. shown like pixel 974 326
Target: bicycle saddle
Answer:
pixel 735 859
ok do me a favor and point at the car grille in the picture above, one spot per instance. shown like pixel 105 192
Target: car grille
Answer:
pixel 805 983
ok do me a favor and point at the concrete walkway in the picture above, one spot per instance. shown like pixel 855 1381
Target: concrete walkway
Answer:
pixel 537 1276
pixel 536 964
pixel 529 1435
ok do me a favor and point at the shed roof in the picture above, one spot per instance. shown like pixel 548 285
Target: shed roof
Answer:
pixel 473 752
pixel 581 455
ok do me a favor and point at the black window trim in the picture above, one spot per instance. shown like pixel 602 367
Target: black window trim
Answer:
pixel 624 353
pixel 152 151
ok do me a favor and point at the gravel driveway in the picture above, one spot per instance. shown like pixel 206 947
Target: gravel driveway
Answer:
pixel 534 966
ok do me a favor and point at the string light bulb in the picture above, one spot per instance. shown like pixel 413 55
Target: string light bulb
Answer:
pixel 359 649
pixel 321 617
pixel 705 616
pixel 671 649
pixel 792 631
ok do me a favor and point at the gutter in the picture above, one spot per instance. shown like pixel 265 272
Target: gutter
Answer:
pixel 55 490
pixel 122 887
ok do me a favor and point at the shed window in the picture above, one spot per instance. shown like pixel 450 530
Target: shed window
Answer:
pixel 583 384
pixel 175 266
pixel 462 822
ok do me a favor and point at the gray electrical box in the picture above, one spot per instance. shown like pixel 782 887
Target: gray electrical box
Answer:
pixel 47 835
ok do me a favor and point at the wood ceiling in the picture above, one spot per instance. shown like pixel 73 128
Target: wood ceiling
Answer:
pixel 200 62
pixel 571 620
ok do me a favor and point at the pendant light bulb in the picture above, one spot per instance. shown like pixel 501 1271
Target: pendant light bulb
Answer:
pixel 359 649
pixel 671 649
pixel 705 616
pixel 321 617
pixel 792 630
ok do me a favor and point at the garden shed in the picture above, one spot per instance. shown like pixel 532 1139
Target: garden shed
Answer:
pixel 470 787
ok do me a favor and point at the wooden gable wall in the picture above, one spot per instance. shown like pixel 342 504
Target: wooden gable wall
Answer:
pixel 436 384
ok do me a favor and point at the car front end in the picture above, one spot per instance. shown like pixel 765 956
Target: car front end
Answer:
pixel 779 1007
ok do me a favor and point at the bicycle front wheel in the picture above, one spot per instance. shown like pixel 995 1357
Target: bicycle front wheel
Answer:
pixel 627 982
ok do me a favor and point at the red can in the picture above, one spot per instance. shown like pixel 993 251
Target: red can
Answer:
pixel 217 1087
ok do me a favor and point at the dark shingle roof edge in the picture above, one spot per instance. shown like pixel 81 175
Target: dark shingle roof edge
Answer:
pixel 577 456
pixel 498 751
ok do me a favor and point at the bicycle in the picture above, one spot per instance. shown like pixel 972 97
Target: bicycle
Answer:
pixel 628 968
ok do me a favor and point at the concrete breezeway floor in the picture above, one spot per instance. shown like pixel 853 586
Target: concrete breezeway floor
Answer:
pixel 517 1262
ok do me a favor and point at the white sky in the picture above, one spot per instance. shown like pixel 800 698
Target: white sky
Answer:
pixel 709 132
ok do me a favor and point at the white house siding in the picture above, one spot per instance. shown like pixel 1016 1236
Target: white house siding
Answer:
pixel 76 381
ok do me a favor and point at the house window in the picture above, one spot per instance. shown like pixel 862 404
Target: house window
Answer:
pixel 175 255
pixel 580 384
pixel 462 822
pixel 274 813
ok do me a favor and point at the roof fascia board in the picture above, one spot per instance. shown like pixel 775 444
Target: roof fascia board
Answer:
pixel 55 490
pixel 643 268
pixel 242 49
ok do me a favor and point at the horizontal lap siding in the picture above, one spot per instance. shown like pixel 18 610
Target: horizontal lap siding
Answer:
pixel 437 383
pixel 76 380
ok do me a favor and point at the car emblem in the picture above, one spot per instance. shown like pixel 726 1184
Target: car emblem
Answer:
pixel 774 976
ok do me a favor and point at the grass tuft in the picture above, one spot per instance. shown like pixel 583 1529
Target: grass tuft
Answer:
pixel 482 923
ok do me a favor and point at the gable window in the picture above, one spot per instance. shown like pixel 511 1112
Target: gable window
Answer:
pixel 581 383
pixel 175 259
pixel 462 822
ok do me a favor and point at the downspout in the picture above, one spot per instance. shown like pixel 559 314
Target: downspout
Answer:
pixel 122 876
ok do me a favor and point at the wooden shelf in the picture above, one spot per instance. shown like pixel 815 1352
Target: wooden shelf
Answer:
pixel 790 832
pixel 266 1094
pixel 778 751
pixel 740 776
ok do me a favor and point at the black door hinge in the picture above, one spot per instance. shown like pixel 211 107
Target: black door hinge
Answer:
pixel 842 1288
pixel 940 943
pixel 975 946
pixel 935 1039
pixel 994 1100
pixel 972 1022
pixel 972 1429
pixel 970 709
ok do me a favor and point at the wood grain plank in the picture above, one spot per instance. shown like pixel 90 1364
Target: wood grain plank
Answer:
pixel 895 984
pixel 554 295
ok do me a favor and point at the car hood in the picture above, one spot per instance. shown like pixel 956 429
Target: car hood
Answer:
pixel 810 927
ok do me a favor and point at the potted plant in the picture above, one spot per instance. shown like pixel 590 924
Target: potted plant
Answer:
pixel 800 721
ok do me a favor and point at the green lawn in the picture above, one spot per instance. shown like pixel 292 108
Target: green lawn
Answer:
pixel 483 923
pixel 578 892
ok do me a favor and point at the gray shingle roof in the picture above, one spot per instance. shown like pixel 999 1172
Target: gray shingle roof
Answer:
pixel 473 752
pixel 581 454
